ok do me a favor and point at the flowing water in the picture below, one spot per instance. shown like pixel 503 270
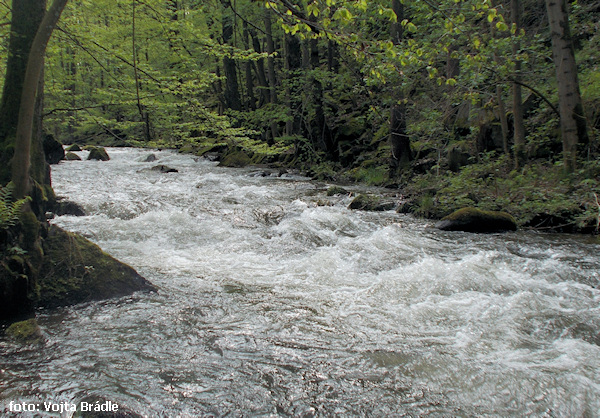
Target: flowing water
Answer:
pixel 276 300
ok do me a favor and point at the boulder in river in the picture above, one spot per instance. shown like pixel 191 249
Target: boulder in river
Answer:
pixel 71 156
pixel 150 158
pixel 73 148
pixel 371 203
pixel 235 159
pixel 66 207
pixel 98 153
pixel 164 169
pixel 477 220
pixel 53 149
pixel 336 190
pixel 76 270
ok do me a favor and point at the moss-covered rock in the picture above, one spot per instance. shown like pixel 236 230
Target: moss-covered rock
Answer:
pixel 335 190
pixel 476 220
pixel 73 148
pixel 76 270
pixel 25 332
pixel 98 153
pixel 371 203
pixel 71 156
pixel 53 149
pixel 235 159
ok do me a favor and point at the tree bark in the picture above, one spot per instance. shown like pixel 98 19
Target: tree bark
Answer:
pixel 35 63
pixel 232 91
pixel 517 105
pixel 26 18
pixel 573 124
pixel 400 141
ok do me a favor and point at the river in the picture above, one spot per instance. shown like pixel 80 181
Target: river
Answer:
pixel 276 300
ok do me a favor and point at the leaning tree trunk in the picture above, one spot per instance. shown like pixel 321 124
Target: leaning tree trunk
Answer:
pixel 35 63
pixel 26 18
pixel 573 124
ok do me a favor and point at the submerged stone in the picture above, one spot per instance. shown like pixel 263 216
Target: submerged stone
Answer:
pixel 164 169
pixel 476 220
pixel 76 270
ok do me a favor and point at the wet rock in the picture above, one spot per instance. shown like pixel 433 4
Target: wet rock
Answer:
pixel 476 220
pixel 75 270
pixel 71 156
pixel 371 203
pixel 98 153
pixel 53 149
pixel 25 332
pixel 164 169
pixel 65 207
pixel 74 148
pixel 235 159
pixel 150 158
pixel 336 190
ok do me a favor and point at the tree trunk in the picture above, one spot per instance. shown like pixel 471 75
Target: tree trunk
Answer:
pixel 145 117
pixel 573 124
pixel 519 128
pixel 35 63
pixel 260 72
pixel 26 18
pixel 271 58
pixel 232 91
pixel 400 142
pixel 251 99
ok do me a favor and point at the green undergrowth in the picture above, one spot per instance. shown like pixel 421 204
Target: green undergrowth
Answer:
pixel 539 195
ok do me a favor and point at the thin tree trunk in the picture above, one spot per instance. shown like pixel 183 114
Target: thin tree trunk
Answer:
pixel 251 99
pixel 232 92
pixel 573 125
pixel 271 58
pixel 517 105
pixel 143 113
pixel 400 141
pixel 35 63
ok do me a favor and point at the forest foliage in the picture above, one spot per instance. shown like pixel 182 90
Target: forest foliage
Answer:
pixel 340 88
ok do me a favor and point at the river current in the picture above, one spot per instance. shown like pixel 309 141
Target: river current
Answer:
pixel 276 300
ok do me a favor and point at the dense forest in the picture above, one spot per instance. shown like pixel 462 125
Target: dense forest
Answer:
pixel 450 104
pixel 403 94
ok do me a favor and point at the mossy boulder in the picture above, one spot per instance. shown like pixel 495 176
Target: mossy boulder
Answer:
pixel 71 156
pixel 336 190
pixel 25 332
pixel 73 148
pixel 53 149
pixel 98 153
pixel 476 220
pixel 371 202
pixel 76 270
pixel 235 159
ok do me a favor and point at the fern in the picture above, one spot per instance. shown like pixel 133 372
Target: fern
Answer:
pixel 9 210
